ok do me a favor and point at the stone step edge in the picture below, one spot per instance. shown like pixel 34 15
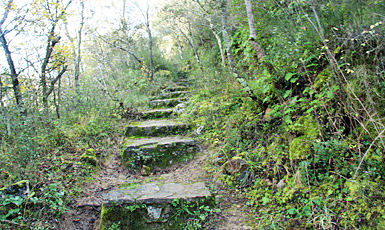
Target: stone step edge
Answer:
pixel 161 127
pixel 157 192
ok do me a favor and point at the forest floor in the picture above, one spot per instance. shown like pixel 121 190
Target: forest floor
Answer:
pixel 84 212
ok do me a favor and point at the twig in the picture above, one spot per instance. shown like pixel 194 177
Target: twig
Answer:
pixel 367 151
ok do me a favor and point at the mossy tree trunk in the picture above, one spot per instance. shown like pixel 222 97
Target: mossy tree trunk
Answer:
pixel 233 66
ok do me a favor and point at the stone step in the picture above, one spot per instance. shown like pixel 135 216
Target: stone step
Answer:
pixel 173 94
pixel 157 152
pixel 153 205
pixel 167 102
pixel 158 113
pixel 176 88
pixel 155 128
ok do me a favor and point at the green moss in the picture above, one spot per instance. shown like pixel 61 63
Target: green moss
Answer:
pixel 157 216
pixel 145 170
pixel 16 187
pixel 300 147
pixel 306 125
pixel 89 157
pixel 163 73
pixel 322 79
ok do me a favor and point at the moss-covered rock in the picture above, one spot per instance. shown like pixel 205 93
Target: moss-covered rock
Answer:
pixel 300 147
pixel 157 152
pixel 235 166
pixel 307 126
pixel 89 157
pixel 20 188
pixel 154 205
pixel 155 128
pixel 158 113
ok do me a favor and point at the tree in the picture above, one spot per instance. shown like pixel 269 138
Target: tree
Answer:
pixel 16 22
pixel 226 38
pixel 53 62
pixel 213 28
pixel 181 19
pixel 253 35
pixel 76 47
pixel 146 18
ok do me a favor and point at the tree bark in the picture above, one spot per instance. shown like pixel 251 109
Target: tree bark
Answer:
pixel 230 56
pixel 219 41
pixel 253 35
pixel 150 45
pixel 78 56
pixel 11 65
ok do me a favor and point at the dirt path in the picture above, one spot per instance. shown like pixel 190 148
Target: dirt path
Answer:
pixel 85 209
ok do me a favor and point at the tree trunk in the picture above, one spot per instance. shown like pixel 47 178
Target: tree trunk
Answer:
pixel 219 41
pixel 150 44
pixel 230 56
pixel 78 56
pixel 253 34
pixel 151 56
pixel 11 65
pixel 191 43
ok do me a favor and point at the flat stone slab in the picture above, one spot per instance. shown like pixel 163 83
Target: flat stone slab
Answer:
pixel 157 152
pixel 152 205
pixel 157 193
pixel 157 113
pixel 155 128
pixel 167 102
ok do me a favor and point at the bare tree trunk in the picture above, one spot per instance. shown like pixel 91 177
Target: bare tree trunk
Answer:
pixel 219 41
pixel 11 65
pixel 52 41
pixel 78 56
pixel 230 56
pixel 150 45
pixel 253 34
pixel 57 102
pixel 76 50
pixel 191 43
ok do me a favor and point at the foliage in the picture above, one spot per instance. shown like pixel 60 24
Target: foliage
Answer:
pixel 195 214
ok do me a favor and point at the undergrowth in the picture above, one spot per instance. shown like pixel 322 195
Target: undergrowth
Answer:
pixel 45 162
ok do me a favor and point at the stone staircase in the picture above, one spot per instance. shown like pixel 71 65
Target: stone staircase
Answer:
pixel 157 142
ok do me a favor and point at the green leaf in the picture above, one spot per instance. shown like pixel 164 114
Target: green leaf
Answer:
pixel 289 76
pixel 265 200
pixel 287 93
pixel 292 211
pixel 293 80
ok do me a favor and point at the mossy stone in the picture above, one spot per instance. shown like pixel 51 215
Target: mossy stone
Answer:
pixel 307 125
pixel 19 188
pixel 300 147
pixel 89 157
